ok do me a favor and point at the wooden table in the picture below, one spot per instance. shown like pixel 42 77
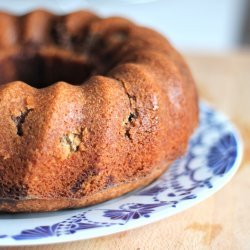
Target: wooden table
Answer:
pixel 223 220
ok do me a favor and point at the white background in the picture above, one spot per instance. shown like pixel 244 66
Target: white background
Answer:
pixel 192 25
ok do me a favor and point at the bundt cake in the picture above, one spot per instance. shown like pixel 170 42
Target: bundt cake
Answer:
pixel 91 108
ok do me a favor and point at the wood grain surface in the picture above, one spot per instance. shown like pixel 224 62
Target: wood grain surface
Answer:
pixel 223 220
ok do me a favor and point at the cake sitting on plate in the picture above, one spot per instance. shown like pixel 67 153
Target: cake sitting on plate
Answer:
pixel 91 108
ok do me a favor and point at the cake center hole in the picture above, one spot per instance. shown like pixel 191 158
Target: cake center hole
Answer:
pixel 41 71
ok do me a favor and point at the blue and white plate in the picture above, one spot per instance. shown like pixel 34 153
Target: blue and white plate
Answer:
pixel 213 157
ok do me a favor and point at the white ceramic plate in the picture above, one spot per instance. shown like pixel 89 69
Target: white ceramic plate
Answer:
pixel 214 154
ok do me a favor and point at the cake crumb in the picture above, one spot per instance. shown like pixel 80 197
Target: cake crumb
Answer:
pixel 70 142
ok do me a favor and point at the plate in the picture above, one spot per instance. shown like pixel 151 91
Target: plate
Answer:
pixel 213 157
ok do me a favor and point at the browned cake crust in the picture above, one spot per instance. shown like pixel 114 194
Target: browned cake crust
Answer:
pixel 91 108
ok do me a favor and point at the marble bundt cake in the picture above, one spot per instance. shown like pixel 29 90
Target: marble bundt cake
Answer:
pixel 91 108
